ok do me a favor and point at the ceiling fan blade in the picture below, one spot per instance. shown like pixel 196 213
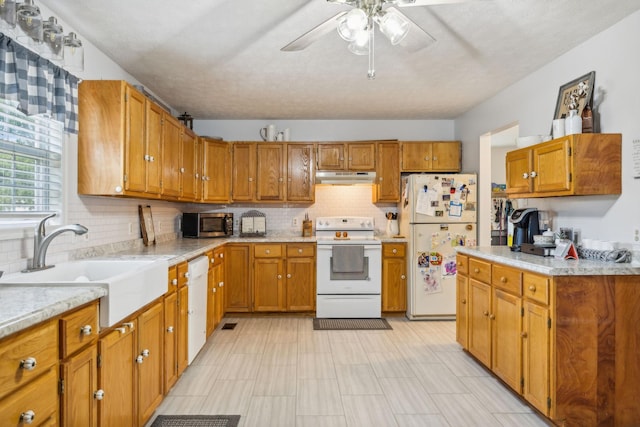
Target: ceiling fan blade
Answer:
pixel 314 34
pixel 405 3
pixel 417 38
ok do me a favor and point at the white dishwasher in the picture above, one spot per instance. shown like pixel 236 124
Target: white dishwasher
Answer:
pixel 197 284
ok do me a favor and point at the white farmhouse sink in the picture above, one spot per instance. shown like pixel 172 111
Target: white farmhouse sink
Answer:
pixel 131 284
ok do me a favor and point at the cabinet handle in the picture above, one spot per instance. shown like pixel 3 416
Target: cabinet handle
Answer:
pixel 28 364
pixel 86 330
pixel 524 335
pixel 98 394
pixel 121 330
pixel 395 251
pixel 145 353
pixel 525 175
pixel 492 316
pixel 532 288
pixel 170 329
pixel 464 301
pixel 288 276
pixel 27 417
pixel 174 282
pixel 128 325
pixel 533 174
pixel 486 313
pixel 139 360
pixel 402 276
pixel 503 279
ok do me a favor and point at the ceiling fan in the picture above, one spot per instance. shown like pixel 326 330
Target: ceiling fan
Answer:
pixel 357 26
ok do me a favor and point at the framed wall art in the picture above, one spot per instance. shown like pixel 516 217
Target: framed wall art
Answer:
pixel 577 93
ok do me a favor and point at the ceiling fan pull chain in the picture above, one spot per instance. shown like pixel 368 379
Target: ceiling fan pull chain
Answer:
pixel 371 74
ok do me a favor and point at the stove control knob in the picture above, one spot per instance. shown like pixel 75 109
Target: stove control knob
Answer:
pixel 345 234
pixel 337 234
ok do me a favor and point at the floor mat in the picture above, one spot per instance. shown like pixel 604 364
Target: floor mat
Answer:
pixel 346 324
pixel 196 421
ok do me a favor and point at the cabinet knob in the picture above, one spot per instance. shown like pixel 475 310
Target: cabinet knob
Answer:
pixel 533 174
pixel 121 330
pixel 427 158
pixel 28 364
pixel 525 175
pixel 86 330
pixel 464 301
pixel 403 276
pixel 213 260
pixel 279 276
pixel 395 251
pixel 532 288
pixel 380 179
pixel 486 313
pixel 118 189
pixel 152 159
pixel 524 335
pixel 170 329
pixel 300 251
pixel 503 279
pixel 435 158
pixel 492 316
pixel 139 360
pixel 220 284
pixel 27 417
pixel 288 276
pixel 221 255
pixel 476 270
pixel 145 353
pixel 181 170
pixel 98 394
pixel 268 251
pixel 174 282
pixel 250 179
pixel 213 290
pixel 186 275
pixel 146 157
pixel 128 325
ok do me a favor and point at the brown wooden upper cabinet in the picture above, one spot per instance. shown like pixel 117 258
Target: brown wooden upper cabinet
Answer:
pixel 583 164
pixel 353 156
pixel 431 156
pixel 387 185
pixel 216 171
pixel 301 172
pixel 171 157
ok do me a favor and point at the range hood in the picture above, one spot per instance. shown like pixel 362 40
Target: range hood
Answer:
pixel 345 178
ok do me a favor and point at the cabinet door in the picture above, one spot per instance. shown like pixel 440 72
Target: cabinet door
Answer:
pixel 171 156
pixel 507 340
pixel 219 277
pixel 462 310
pixel 216 172
pixel 39 396
pixel 479 322
pixel 535 355
pixel 170 340
pixel 268 284
pixel 237 292
pixel 271 172
pixel 244 172
pixel 300 172
pixel 519 167
pixel 150 347
pixel 445 156
pixel 79 374
pixel 387 188
pixel 416 156
pixel 331 157
pixel 135 141
pixel 394 284
pixel 182 351
pixel 188 170
pixel 301 280
pixel 362 156
pixel 212 289
pixel 116 376
pixel 153 155
pixel 551 162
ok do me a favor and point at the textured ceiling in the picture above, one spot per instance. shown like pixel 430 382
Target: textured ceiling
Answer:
pixel 221 59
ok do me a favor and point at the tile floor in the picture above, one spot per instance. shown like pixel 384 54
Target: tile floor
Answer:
pixel 278 371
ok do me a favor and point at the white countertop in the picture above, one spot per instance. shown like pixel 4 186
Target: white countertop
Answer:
pixel 549 265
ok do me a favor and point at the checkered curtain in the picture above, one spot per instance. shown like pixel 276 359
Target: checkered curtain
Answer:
pixel 37 85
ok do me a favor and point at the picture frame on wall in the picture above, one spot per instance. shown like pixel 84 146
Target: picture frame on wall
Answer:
pixel 573 87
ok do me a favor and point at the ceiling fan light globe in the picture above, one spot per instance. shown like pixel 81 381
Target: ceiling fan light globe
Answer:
pixel 360 46
pixel 351 23
pixel 393 26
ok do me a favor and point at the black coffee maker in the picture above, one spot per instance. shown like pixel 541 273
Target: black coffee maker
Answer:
pixel 525 226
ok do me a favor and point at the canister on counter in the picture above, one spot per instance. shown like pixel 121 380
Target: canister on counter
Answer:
pixel 307 228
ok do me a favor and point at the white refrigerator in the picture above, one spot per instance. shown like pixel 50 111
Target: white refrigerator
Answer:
pixel 437 213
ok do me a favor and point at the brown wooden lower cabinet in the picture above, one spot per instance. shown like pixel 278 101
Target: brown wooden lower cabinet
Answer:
pixel 567 344
pixel 394 277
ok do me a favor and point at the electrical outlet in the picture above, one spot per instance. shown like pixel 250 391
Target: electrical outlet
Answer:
pixel 636 235
pixel 130 228
pixel 294 222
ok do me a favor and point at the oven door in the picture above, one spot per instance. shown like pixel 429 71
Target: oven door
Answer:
pixel 332 283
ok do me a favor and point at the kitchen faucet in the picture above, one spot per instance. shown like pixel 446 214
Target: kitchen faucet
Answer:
pixel 41 242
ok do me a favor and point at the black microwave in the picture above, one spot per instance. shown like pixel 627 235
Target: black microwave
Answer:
pixel 207 224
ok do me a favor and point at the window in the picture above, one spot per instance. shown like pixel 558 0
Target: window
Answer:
pixel 30 163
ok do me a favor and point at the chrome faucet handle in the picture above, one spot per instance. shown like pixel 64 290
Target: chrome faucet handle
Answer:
pixel 40 228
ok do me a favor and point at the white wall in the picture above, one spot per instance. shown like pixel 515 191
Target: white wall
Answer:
pixel 615 57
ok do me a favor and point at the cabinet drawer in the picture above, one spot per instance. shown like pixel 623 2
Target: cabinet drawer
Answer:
pixel 173 279
pixel 508 279
pixel 393 250
pixel 183 277
pixel 536 287
pixel 78 329
pixel 462 262
pixel 267 251
pixel 39 344
pixel 39 396
pixel 303 250
pixel 480 270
